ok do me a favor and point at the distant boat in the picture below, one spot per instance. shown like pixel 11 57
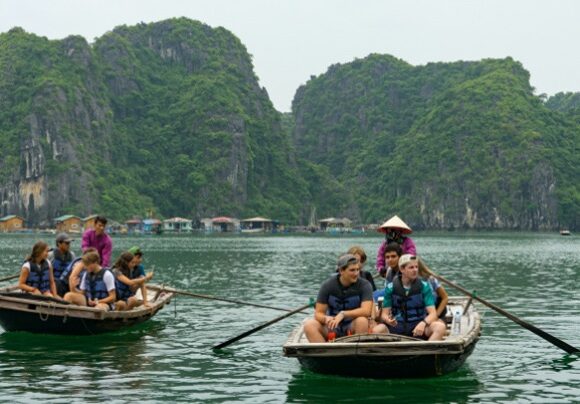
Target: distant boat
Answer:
pixel 565 233
pixel 384 356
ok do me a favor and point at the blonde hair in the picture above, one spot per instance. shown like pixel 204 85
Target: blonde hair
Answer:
pixel 358 250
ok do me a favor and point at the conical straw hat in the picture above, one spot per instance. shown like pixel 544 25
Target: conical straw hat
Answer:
pixel 395 223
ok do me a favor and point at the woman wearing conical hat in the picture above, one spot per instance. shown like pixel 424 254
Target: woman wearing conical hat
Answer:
pixel 395 231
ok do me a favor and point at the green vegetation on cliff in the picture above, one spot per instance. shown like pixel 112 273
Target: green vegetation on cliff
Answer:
pixel 169 117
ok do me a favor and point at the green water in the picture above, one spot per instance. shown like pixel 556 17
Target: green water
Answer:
pixel 534 276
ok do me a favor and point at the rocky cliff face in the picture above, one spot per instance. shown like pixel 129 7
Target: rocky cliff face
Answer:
pixel 166 117
pixel 456 145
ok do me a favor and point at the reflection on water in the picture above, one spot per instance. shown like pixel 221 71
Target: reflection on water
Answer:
pixel 170 357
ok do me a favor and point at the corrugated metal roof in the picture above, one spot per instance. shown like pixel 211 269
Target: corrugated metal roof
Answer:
pixel 65 217
pixel 5 218
pixel 256 219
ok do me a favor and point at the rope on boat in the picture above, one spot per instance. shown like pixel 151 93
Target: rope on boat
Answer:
pixel 45 316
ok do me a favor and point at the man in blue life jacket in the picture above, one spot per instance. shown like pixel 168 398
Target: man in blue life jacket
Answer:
pixel 344 303
pixel 409 307
pixel 97 285
pixel 61 256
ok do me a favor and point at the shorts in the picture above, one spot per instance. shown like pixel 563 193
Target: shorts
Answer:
pixel 403 328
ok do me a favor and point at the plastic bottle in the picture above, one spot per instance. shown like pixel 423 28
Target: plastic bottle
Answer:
pixel 331 336
pixel 456 324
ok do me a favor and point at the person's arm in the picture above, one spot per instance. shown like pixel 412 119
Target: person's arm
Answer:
pixel 109 280
pixel 320 313
pixel 381 256
pixel 365 310
pixel 22 281
pixel 442 293
pixel 73 280
pixel 134 282
pixel 51 280
pixel 419 329
pixel 107 250
pixel 112 298
pixel 409 246
pixel 86 241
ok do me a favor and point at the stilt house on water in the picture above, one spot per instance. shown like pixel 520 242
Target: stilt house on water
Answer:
pixel 335 225
pixel 177 225
pixel 256 225
pixel 11 223
pixel 68 224
pixel 89 222
pixel 221 224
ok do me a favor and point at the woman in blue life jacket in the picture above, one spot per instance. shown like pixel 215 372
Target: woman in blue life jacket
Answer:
pixel 97 285
pixel 36 275
pixel 127 281
pixel 409 307
pixel 70 279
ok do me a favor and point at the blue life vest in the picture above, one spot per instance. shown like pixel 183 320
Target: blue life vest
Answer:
pixel 60 262
pixel 408 305
pixel 39 276
pixel 124 291
pixel 336 304
pixel 65 276
pixel 97 289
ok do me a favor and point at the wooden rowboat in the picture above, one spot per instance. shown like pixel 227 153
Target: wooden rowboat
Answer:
pixel 389 355
pixel 40 314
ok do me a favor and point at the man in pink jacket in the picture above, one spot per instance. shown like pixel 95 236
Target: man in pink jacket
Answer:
pixel 395 230
pixel 100 240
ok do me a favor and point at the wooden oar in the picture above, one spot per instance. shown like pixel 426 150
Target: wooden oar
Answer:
pixel 541 333
pixel 185 293
pixel 258 328
pixel 8 278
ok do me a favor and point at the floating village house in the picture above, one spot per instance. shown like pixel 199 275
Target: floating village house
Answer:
pixel 11 223
pixel 221 224
pixel 177 225
pixel 68 224
pixel 152 226
pixel 335 225
pixel 89 222
pixel 256 225
pixel 134 226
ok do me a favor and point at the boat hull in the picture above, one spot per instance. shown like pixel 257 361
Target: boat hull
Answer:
pixel 389 356
pixel 393 367
pixel 36 314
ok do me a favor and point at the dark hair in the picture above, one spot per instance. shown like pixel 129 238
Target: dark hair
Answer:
pixel 38 248
pixel 122 263
pixel 101 219
pixel 394 247
pixel 358 250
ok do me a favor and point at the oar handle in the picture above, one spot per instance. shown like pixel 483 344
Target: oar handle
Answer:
pixel 253 330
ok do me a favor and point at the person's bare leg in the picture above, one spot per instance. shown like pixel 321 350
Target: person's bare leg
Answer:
pixel 314 331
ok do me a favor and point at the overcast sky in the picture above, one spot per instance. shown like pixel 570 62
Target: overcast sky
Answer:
pixel 293 39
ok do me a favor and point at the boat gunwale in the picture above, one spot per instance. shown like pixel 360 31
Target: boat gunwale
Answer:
pixel 294 348
pixel 52 308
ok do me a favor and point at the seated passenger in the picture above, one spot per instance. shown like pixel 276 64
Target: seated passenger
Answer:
pixel 392 253
pixel 36 274
pixel 70 279
pixel 395 231
pixel 409 307
pixel 127 281
pixel 360 254
pixel 97 285
pixel 138 254
pixel 439 292
pixel 61 256
pixel 344 303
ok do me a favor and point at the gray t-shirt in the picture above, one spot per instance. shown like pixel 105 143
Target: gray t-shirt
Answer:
pixel 339 298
